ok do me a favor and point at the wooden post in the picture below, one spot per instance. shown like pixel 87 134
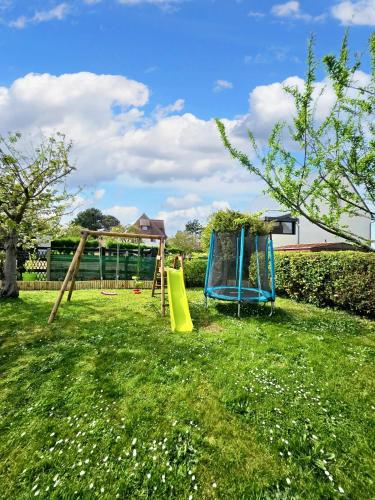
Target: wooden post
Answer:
pixel 48 276
pixel 162 277
pixel 154 282
pixel 75 259
pixel 75 271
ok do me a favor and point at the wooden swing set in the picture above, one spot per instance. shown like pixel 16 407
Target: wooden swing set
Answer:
pixel 71 274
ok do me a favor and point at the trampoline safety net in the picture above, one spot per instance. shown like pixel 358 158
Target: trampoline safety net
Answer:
pixel 240 267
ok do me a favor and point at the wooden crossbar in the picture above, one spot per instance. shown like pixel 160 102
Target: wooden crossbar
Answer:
pixel 137 236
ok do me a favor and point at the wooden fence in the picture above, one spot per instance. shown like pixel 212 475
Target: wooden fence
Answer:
pixel 83 285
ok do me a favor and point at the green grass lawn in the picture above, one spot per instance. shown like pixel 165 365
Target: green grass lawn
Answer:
pixel 107 402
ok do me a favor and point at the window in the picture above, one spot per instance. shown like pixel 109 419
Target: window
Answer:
pixel 281 227
pixel 145 228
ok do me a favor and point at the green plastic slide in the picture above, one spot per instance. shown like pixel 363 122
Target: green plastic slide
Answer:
pixel 178 303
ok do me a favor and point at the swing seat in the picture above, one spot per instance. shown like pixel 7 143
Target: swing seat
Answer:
pixel 109 294
pixel 137 291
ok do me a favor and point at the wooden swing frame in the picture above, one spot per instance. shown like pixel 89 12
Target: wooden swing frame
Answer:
pixel 71 274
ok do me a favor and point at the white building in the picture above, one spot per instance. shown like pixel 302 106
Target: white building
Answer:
pixel 300 231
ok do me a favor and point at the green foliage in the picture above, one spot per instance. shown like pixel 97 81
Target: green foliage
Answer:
pixel 71 231
pixel 337 279
pixel 185 241
pixel 33 196
pixel 195 271
pixel 227 221
pixel 345 280
pixel 194 227
pixel 32 192
pixel 94 219
pixel 27 276
pixel 72 243
pixel 322 161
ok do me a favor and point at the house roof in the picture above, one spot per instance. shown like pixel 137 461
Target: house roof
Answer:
pixel 316 247
pixel 155 226
pixel 281 218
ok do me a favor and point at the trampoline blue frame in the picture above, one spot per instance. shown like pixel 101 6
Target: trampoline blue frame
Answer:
pixel 262 295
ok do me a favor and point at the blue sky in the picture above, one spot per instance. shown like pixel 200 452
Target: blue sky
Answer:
pixel 136 83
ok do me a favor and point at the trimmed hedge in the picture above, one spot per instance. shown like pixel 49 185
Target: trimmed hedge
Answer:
pixel 344 280
pixel 195 272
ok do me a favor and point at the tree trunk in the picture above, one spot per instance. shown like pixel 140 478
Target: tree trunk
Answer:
pixel 10 288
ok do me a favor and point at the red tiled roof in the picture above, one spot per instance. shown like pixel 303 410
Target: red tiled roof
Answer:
pixel 156 226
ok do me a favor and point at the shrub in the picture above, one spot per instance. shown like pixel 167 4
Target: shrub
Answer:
pixel 345 280
pixel 337 279
pixel 28 276
pixel 195 272
pixel 72 243
pixel 227 221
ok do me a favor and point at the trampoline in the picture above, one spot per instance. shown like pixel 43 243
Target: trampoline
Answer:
pixel 240 268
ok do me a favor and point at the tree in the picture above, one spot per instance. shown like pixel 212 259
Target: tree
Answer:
pixel 109 221
pixel 194 227
pixel 94 219
pixel 184 241
pixel 32 196
pixel 323 168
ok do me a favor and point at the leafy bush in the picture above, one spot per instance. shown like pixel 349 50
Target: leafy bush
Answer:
pixel 345 280
pixel 195 272
pixel 337 279
pixel 72 243
pixel 28 276
pixel 231 220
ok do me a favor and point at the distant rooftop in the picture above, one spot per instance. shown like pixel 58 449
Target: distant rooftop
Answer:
pixel 148 226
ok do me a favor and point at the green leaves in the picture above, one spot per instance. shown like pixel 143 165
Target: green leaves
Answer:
pixel 322 166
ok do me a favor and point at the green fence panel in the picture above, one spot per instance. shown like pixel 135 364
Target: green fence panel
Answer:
pixel 89 269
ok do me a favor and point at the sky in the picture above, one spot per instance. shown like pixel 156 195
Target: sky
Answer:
pixel 136 84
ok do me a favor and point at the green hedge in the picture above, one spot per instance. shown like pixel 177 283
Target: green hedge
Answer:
pixel 337 279
pixel 345 280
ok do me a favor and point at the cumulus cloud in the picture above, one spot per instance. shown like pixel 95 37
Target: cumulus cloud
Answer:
pixel 360 12
pixel 59 12
pixel 115 140
pixel 187 201
pixel 163 111
pixel 286 9
pixel 168 5
pixel 125 214
pixel 176 219
pixel 256 14
pixel 220 85
pixel 292 9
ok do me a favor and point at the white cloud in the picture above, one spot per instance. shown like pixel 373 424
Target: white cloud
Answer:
pixel 292 9
pixel 163 111
pixel 175 220
pixel 59 12
pixel 168 5
pixel 115 141
pixel 286 9
pixel 255 14
pixel 220 85
pixel 361 12
pixel 125 214
pixel 187 201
